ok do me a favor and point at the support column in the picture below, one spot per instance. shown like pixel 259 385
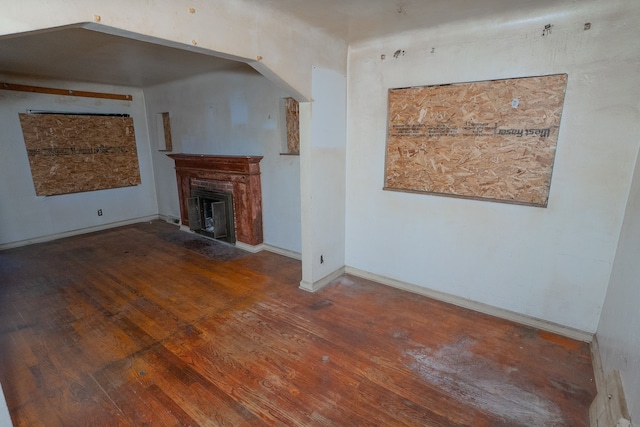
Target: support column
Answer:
pixel 323 179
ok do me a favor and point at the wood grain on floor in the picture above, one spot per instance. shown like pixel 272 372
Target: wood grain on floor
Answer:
pixel 122 327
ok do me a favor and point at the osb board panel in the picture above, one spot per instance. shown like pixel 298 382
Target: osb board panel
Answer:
pixel 76 153
pixel 490 140
pixel 293 125
pixel 166 124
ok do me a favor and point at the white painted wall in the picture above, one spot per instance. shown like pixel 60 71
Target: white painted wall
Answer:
pixel 322 151
pixel 231 113
pixel 25 216
pixel 287 47
pixel 619 328
pixel 554 263
pixel 5 418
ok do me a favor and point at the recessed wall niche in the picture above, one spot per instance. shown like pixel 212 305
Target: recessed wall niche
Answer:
pixel 291 111
pixel 163 131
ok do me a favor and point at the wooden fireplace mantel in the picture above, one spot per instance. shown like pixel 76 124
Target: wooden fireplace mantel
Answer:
pixel 242 172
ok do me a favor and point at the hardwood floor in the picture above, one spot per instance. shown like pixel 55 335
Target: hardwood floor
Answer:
pixel 125 327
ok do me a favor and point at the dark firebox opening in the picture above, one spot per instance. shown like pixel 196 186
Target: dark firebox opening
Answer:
pixel 211 214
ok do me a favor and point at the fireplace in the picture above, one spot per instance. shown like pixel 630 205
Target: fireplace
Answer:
pixel 221 195
pixel 211 213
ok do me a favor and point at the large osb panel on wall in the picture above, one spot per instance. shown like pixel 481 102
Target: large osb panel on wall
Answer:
pixel 76 153
pixel 490 140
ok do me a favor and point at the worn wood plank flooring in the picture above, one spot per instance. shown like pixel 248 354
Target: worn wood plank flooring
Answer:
pixel 123 327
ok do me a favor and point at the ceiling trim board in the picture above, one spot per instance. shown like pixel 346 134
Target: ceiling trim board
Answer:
pixel 64 92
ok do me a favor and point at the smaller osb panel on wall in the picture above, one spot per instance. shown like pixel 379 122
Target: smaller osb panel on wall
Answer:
pixel 76 153
pixel 490 140
pixel 166 127
pixel 293 125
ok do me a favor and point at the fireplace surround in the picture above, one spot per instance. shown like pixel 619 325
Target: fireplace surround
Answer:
pixel 239 176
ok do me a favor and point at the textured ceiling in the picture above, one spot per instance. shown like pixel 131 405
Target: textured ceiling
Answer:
pixel 357 20
pixel 80 54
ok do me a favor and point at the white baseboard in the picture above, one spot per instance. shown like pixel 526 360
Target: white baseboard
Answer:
pixel 254 249
pixel 282 251
pixel 596 361
pixel 476 306
pixel 269 248
pixel 170 219
pixel 609 408
pixel 56 236
pixel 319 284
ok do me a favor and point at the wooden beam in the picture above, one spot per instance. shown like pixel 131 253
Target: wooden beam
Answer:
pixel 64 92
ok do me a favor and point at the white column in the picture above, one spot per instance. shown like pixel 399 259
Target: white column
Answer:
pixel 322 179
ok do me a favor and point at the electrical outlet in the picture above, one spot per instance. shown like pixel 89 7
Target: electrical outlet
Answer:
pixel 99 212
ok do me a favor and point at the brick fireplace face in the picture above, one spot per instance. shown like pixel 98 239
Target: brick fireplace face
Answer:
pixel 211 185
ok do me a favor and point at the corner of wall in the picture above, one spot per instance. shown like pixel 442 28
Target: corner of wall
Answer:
pixel 319 284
